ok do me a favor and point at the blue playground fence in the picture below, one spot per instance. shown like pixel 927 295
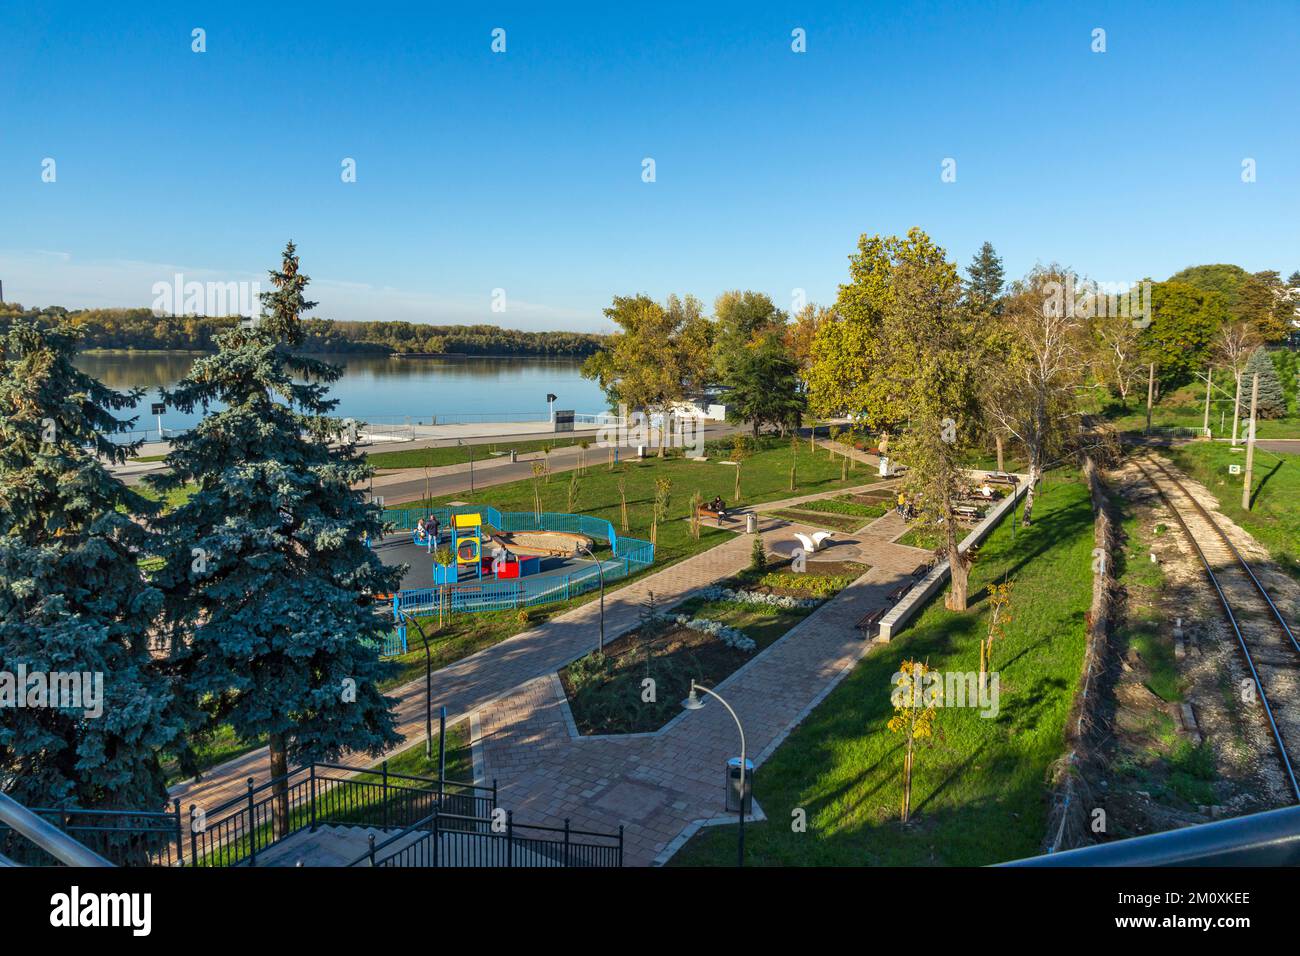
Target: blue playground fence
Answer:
pixel 629 556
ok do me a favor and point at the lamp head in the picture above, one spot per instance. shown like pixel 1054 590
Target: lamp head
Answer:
pixel 693 702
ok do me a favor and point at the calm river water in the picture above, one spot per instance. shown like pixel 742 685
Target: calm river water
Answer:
pixel 381 389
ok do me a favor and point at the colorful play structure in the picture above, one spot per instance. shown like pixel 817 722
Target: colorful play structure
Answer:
pixel 498 560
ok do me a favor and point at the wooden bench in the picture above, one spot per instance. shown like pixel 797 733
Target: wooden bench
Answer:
pixel 867 623
pixel 923 569
pixel 717 516
pixel 897 594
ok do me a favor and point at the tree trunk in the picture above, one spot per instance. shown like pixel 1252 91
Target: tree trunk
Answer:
pixel 959 572
pixel 1035 471
pixel 280 788
pixel 998 439
pixel 907 778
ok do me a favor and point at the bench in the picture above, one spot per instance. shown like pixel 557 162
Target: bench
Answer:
pixel 867 623
pixel 897 594
pixel 923 569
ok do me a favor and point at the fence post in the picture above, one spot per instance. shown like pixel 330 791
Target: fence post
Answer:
pixel 313 796
pixel 370 841
pixel 194 840
pixel 620 844
pixel 437 839
pixel 384 808
pixel 180 835
pixel 494 793
pixel 566 841
pixel 510 838
pixel 252 831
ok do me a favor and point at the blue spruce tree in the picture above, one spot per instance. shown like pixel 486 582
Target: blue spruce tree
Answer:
pixel 73 599
pixel 268 571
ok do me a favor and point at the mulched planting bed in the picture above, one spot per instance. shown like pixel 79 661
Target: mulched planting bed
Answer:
pixel 606 695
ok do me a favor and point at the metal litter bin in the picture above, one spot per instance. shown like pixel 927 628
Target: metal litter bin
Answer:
pixel 751 523
pixel 733 786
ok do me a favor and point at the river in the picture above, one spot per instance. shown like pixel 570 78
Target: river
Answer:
pixel 388 390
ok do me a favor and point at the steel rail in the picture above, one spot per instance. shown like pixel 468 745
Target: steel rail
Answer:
pixel 1232 619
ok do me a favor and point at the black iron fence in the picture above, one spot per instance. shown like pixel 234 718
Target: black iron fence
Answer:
pixel 323 794
pixel 445 839
pixel 127 838
pixel 235 831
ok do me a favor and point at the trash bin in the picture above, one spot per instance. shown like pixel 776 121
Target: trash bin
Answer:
pixel 640 451
pixel 751 523
pixel 733 786
pixel 514 456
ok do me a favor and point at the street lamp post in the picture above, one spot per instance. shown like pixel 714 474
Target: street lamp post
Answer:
pixel 428 684
pixel 693 702
pixel 601 571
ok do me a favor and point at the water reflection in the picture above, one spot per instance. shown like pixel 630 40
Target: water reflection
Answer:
pixel 380 388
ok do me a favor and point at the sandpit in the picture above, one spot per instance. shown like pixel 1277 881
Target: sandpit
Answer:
pixel 544 542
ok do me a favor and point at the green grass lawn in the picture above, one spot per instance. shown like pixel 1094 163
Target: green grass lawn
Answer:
pixel 1274 518
pixel 459 454
pixel 979 792
pixel 765 476
pixel 1185 408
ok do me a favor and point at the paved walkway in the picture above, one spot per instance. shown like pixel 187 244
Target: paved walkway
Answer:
pixel 661 787
pixel 472 682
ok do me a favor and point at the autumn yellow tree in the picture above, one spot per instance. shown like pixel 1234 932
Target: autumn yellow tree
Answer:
pixel 916 695
pixel 999 618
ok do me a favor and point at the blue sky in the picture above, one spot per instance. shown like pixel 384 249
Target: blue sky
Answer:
pixel 522 170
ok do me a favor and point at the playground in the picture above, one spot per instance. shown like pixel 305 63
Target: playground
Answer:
pixel 484 559
pixel 483 553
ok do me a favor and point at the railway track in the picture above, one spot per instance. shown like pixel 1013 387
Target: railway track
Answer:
pixel 1267 641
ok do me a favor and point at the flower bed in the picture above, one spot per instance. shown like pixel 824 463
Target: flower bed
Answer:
pixel 706 638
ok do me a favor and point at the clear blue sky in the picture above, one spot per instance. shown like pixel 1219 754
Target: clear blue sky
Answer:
pixel 523 171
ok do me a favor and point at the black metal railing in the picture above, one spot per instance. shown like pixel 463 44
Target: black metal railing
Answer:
pixel 234 832
pixel 76 837
pixel 1271 838
pixel 323 794
pixel 456 840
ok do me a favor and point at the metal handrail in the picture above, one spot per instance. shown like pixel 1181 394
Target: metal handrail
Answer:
pixel 482 826
pixel 1271 838
pixel 47 836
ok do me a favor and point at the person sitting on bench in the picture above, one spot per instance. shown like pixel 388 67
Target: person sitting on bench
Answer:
pixel 718 507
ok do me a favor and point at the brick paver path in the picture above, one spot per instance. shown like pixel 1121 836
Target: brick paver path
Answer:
pixel 657 786
pixel 473 681
pixel 653 785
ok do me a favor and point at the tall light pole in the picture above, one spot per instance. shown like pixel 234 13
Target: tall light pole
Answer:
pixel 693 702
pixel 601 571
pixel 428 682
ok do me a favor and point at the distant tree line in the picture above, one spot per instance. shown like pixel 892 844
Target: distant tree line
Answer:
pixel 142 329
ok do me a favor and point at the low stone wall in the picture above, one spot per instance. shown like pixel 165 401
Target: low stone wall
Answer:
pixel 933 583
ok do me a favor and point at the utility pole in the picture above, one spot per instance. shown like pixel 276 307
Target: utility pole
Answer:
pixel 1250 443
pixel 1209 378
pixel 1151 391
pixel 1236 409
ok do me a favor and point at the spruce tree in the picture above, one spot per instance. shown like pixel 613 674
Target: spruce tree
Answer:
pixel 268 571
pixel 984 290
pixel 73 599
pixel 1272 398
